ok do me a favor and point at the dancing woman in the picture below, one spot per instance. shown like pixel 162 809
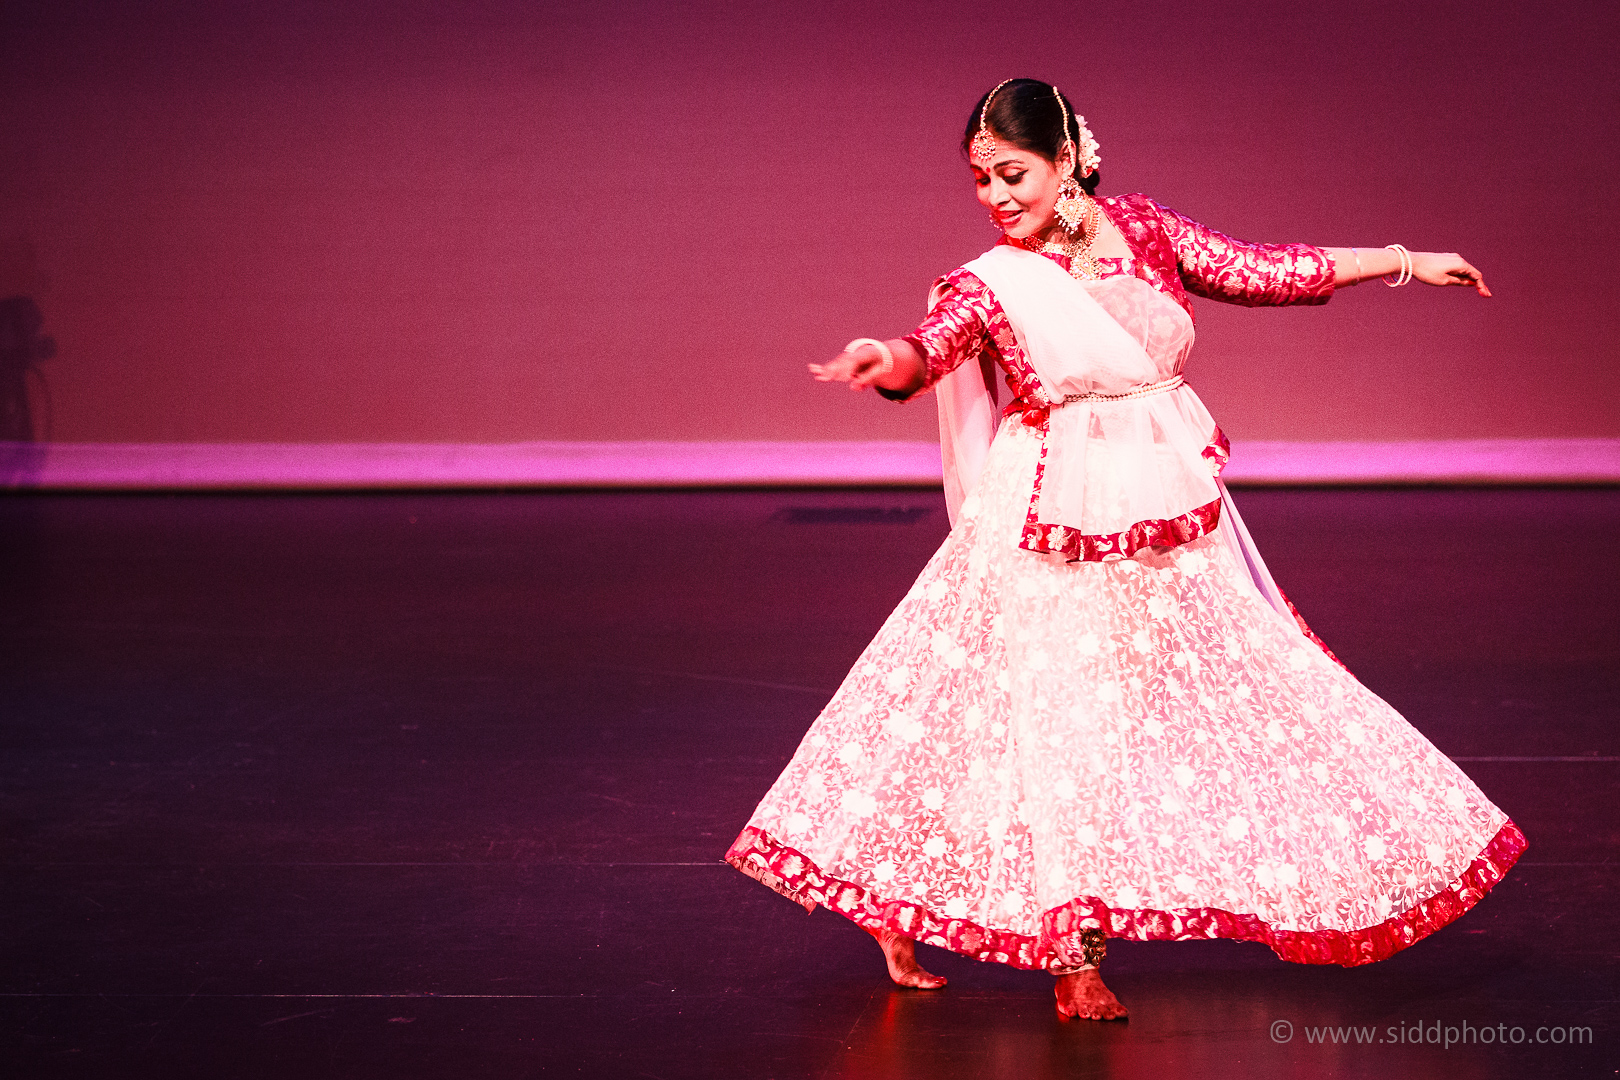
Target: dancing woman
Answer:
pixel 1094 714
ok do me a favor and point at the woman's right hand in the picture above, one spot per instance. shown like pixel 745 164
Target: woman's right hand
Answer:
pixel 860 368
pixel 863 367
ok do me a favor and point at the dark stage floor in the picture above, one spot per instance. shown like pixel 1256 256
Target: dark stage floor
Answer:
pixel 438 785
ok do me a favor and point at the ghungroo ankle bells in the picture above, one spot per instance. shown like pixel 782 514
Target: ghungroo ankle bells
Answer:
pixel 1093 948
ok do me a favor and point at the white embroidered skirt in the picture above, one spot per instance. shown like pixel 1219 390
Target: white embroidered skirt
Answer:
pixel 1032 747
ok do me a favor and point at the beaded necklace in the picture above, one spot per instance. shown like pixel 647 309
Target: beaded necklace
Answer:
pixel 1083 265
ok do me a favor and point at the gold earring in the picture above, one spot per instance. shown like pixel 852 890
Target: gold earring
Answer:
pixel 1071 205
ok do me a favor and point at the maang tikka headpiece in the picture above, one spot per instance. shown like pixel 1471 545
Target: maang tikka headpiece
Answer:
pixel 982 148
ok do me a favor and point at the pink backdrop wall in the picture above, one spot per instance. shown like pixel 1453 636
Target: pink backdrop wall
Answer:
pixel 341 221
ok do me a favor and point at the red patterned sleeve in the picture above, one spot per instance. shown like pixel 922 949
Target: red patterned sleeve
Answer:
pixel 956 330
pixel 1215 265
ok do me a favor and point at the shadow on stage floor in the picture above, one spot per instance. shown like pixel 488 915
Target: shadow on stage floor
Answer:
pixel 437 785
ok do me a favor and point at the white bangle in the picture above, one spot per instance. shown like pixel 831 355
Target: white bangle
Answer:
pixel 888 357
pixel 1359 275
pixel 1405 273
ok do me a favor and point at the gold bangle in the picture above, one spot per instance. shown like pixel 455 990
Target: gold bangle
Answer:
pixel 883 350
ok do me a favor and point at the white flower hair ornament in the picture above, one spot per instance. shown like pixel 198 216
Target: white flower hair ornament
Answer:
pixel 1089 159
pixel 1086 158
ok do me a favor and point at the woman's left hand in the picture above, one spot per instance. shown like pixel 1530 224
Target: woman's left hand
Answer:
pixel 1446 268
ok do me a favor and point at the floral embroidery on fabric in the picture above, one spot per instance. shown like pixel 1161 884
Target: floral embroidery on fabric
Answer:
pixel 967 320
pixel 1171 253
pixel 1308 632
pixel 1177 255
pixel 1030 744
pixel 1056 540
pixel 1218 453
pixel 761 857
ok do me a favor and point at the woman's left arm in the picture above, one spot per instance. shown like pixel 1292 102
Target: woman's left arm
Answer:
pixel 1215 265
pixel 1354 265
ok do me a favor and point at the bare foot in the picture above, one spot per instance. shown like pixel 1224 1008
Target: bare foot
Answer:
pixel 1083 995
pixel 901 953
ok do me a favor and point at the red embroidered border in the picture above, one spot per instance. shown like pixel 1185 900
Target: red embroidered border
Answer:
pixel 1300 619
pixel 1099 547
pixel 1218 452
pixel 1089 547
pixel 996 335
pixel 795 876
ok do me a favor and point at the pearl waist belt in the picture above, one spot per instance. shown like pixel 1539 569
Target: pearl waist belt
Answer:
pixel 1141 391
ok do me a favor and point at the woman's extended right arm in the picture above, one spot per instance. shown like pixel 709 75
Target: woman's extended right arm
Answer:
pixel 863 367
pixel 957 329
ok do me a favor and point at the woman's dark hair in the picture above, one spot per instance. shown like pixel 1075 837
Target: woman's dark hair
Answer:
pixel 1026 113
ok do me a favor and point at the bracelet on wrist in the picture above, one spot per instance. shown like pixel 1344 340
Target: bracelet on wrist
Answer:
pixel 1403 275
pixel 883 351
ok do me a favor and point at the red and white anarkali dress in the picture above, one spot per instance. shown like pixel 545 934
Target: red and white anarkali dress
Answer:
pixel 1094 709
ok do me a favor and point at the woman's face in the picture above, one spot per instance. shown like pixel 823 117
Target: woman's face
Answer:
pixel 1019 189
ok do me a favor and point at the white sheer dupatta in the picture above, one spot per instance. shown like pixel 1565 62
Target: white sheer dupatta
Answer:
pixel 1128 445
pixel 1109 463
pixel 968 416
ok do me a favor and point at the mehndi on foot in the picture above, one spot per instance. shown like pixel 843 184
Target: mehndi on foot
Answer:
pixel 1080 990
pixel 1082 996
pixel 901 954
